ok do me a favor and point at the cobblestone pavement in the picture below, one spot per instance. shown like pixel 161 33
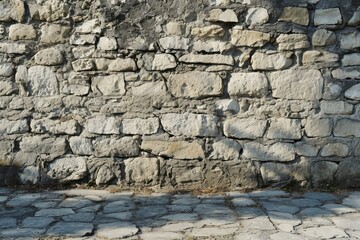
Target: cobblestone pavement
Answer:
pixel 98 214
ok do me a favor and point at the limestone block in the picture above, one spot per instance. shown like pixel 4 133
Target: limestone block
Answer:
pixel 262 61
pixel 85 39
pixel 190 124
pixel 207 59
pixel 175 28
pixel 327 16
pixel 314 56
pixel 67 169
pixel 275 172
pixel 42 81
pixel 104 175
pixel 208 31
pixel 30 174
pixel 12 10
pixel 150 89
pixel 42 145
pixel 296 15
pixel 346 73
pixel 336 107
pixel 90 26
pixel 353 92
pixel 21 32
pixel 174 149
pixel 54 33
pixel 12 48
pixel 81 145
pixel 109 85
pixel 103 125
pixel 48 57
pixel 174 43
pixel 346 128
pixel 211 46
pixel 335 150
pixel 116 147
pixel 292 41
pixel 350 40
pixel 323 37
pixel 256 16
pixel 163 62
pixel 141 170
pixel 225 105
pixel 53 10
pixel 351 59
pixel 355 19
pixel 140 126
pixel 283 128
pixel 246 128
pixel 13 127
pixel 195 84
pixel 121 65
pixel 78 84
pixel 316 127
pixel 306 150
pixel 6 69
pixel 332 91
pixel 70 127
pixel 348 173
pixel 225 149
pixel 248 84
pixel 249 38
pixel 218 15
pixel 107 44
pixel 83 52
pixel 282 152
pixel 297 84
pixel 7 88
pixel 323 172
pixel 83 65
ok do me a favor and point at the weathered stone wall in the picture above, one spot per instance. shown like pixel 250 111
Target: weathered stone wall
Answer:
pixel 240 93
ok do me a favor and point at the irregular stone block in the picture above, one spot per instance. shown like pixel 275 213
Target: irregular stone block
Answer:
pixel 7 88
pixel 12 48
pixel 306 150
pixel 351 59
pixel 353 92
pixel 248 84
pixel 78 84
pixel 262 61
pixel 77 39
pixel 83 52
pixel 335 150
pixel 6 69
pixel 42 81
pixel 207 59
pixel 292 41
pixel 140 126
pixel 246 128
pixel 175 28
pixel 256 16
pixel 90 26
pixel 225 149
pixel 7 146
pixel 141 170
pixel 296 15
pixel 355 19
pixel 48 57
pixel 67 169
pixel 218 15
pixel 12 10
pixel 350 40
pixel 190 124
pixel 323 37
pixel 314 56
pixel 283 128
pixel 225 105
pixel 104 175
pixel 30 175
pixel 22 32
pixel 316 127
pixel 163 62
pixel 13 127
pixel 103 125
pixel 211 46
pixel 43 145
pixel 81 145
pixel 195 84
pixel 282 152
pixel 83 65
pixel 323 172
pixel 275 173
pixel 297 84
pixel 113 147
pixel 174 43
pixel 174 149
pixel 121 65
pixel 249 38
pixel 347 128
pixel 150 89
pixel 107 44
pixel 327 16
pixel 54 33
pixel 185 171
pixel 53 10
pixel 208 31
pixel 346 73
pixel 109 85
pixel 70 127
pixel 336 107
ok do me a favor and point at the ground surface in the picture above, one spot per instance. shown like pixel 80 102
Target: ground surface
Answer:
pixel 98 214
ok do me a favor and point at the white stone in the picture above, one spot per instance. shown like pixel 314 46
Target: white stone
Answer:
pixel 283 128
pixel 174 42
pixel 151 89
pixel 54 33
pixel 140 125
pixel 316 127
pixel 262 61
pixel 49 56
pixel 350 40
pixel 12 10
pixel 336 107
pixel 323 232
pixel 225 105
pixel 107 44
pixel 335 149
pixel 249 38
pixel 218 15
pixel 256 16
pixel 327 16
pixel 83 65
pixel 6 69
pixel 248 84
pixel 246 128
pixel 103 125
pixel 42 81
pixel 69 127
pixel 353 92
pixel 163 62
pixel 276 152
pixel 68 169
pixel 21 32
pixel 207 59
pixel 292 41
pixel 175 28
pixel 12 48
pixel 84 39
pixel 109 85
pixel 225 149
pixel 116 147
pixel 81 146
pixel 323 37
pixel 351 59
pixel 355 19
pixel 121 65
pixel 141 170
pixel 211 46
pixel 90 26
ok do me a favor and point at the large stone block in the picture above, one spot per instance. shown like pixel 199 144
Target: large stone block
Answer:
pixel 81 145
pixel 355 19
pixel 297 84
pixel 249 38
pixel 195 84
pixel 43 145
pixel 12 48
pixel 318 127
pixel 327 16
pixel 347 128
pixel 54 33
pixel 336 107
pixel 116 147
pixel 49 56
pixel 248 84
pixel 246 128
pixel 225 149
pixel 142 170
pixel 103 125
pixel 163 62
pixel 42 81
pixel 335 150
pixel 283 128
pixel 353 92
pixel 122 65
pixel 323 37
pixel 13 127
pixel 67 169
pixel 111 85
pixel 207 59
pixel 140 126
pixel 275 173
pixel 282 152
pixel 292 41
pixel 174 42
pixel 256 16
pixel 296 15
pixel 70 127
pixel 323 172
pixel 12 10
pixel 314 56
pixel 190 124
pixel 352 59
pixel 22 32
pixel 150 89
pixel 348 173
pixel 277 61
pixel 350 40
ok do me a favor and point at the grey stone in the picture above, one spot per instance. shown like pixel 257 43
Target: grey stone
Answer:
pixel 247 128
pixel 118 147
pixel 69 127
pixel 8 222
pixel 6 69
pixel 274 173
pixel 125 204
pixel 316 127
pixel 323 172
pixel 79 217
pixel 140 126
pixel 83 65
pixel 53 10
pixel 306 150
pixel 258 223
pixel 218 15
pixel 242 202
pixel 142 170
pixel 186 201
pixel 122 65
pixel 338 208
pixel 248 212
pixel 54 33
pixel 327 16
pixel 103 125
pixel 75 203
pixel 55 212
pixel 315 212
pixel 41 144
pixel 275 152
pixel 49 56
pixel 321 196
pixel 346 127
pixel 248 84
pixel 68 169
pixel 346 73
pixel 81 145
pixel 13 127
pixel 104 175
pixel 348 173
pixel 277 61
pixel 71 229
pixel 42 81
pixel 285 236
pixel 298 15
pixel 125 216
pixel 23 200
pixel 323 37
pixel 335 149
pixel 109 85
pixel 90 26
pixel 116 230
pixel 304 202
pixel 207 59
pixel 353 92
pixel 174 42
pixel 225 149
pixel 256 16
pixel 283 128
pixel 37 222
pixel 22 232
pixel 163 62
pixel 355 19
pixel 336 107
pixel 351 59
pixel 280 207
pixel 292 41
pixel 284 221
pixel 150 212
pixel 350 40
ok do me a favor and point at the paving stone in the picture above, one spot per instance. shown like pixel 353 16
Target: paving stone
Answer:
pixel 212 209
pixel 23 200
pixel 93 208
pixel 268 193
pixel 116 230
pixel 285 236
pixel 320 196
pixel 176 227
pixel 161 236
pixel 118 215
pixel 216 221
pixel 37 222
pixel 248 213
pixel 279 207
pixel 212 232
pixel 75 203
pixel 44 204
pixel 304 202
pixel 310 222
pixel 243 202
pixel 3 199
pixel 17 212
pixel 179 208
pixel 79 217
pixel 323 232
pixel 7 222
pixel 259 223
pixel 315 212
pixel 71 229
pixel 181 217
pixel 348 221
pixel 150 212
pixel 56 212
pixel 284 221
pixel 21 232
pixel 338 208
pixel 119 206
pixel 352 201
pixel 186 201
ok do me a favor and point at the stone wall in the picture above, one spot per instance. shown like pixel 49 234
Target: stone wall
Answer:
pixel 240 93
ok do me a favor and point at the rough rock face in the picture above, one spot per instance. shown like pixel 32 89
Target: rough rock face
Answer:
pixel 235 93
